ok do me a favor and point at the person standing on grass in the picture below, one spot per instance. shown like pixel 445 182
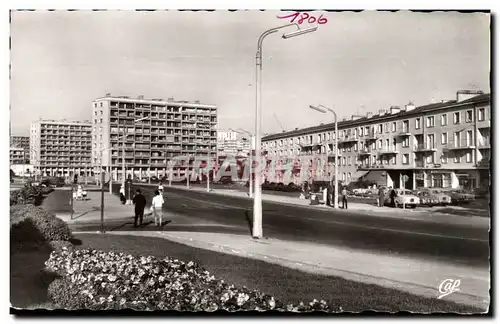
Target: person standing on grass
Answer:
pixel 157 205
pixel 344 197
pixel 140 202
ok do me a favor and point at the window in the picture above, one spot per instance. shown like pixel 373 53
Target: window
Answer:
pixel 393 160
pixel 95 113
pixel 406 142
pixel 380 128
pixel 430 158
pixel 95 121
pixel 457 139
pixel 444 138
pixel 367 130
pixel 469 138
pixel 343 176
pixel 387 144
pixel 386 127
pixel 468 157
pixel 100 121
pixel 417 123
pixel 444 119
pixel 481 114
pixel 343 149
pixel 343 161
pixel 355 147
pixel 101 104
pixel 349 160
pixel 456 118
pixel 374 146
pixel 406 158
pixel 429 122
pixel 379 144
pixel 456 158
pixel 444 159
pixel 468 116
pixel 349 177
pixel 393 126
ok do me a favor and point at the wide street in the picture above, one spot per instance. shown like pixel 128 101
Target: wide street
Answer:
pixel 197 211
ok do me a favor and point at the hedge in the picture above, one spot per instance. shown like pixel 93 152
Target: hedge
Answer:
pixel 34 225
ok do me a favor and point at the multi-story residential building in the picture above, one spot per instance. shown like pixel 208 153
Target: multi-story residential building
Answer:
pixel 233 143
pixel 24 143
pixel 444 144
pixel 153 130
pixel 61 148
pixel 17 155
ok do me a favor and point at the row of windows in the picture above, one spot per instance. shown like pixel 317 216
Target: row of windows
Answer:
pixel 380 128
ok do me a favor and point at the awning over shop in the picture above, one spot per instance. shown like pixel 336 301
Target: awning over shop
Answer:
pixel 376 176
pixel 358 175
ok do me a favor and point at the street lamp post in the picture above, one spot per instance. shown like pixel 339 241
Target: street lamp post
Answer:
pixel 257 205
pixel 129 202
pixel 323 110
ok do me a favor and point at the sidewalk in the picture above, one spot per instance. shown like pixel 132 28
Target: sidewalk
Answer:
pixel 418 214
pixel 411 275
pixel 90 210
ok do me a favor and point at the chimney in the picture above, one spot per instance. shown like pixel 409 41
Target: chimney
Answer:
pixel 354 117
pixel 467 94
pixel 410 106
pixel 382 112
pixel 108 94
pixel 140 97
pixel 197 102
pixel 395 110
pixel 369 115
pixel 170 99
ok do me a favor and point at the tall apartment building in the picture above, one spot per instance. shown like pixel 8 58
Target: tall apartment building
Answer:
pixel 17 155
pixel 22 142
pixel 61 148
pixel 166 129
pixel 232 143
pixel 444 144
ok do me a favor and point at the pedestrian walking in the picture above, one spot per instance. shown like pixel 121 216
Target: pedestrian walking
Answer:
pixel 140 202
pixel 160 188
pixel 381 196
pixel 344 198
pixel 122 195
pixel 156 207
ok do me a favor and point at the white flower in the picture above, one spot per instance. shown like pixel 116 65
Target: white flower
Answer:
pixel 272 303
pixel 112 278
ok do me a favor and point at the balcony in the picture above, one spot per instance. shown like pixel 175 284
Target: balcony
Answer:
pixel 364 151
pixel 371 136
pixel 484 143
pixel 386 151
pixel 403 131
pixel 429 147
pixel 462 144
pixel 348 139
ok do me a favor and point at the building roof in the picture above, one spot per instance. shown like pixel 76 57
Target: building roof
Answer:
pixel 160 102
pixel 376 118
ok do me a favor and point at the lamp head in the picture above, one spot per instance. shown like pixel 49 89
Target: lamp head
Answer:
pixel 300 32
pixel 322 110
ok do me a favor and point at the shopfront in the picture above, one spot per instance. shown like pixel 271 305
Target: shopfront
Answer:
pixel 439 179
pixel 467 179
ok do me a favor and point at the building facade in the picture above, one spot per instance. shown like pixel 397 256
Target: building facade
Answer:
pixel 233 143
pixel 445 145
pixel 61 148
pixel 152 132
pixel 21 142
pixel 17 155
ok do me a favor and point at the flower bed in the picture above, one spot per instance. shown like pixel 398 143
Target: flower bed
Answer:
pixel 98 280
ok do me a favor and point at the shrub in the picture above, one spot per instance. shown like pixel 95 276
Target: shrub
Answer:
pixel 61 245
pixel 98 280
pixel 44 222
pixel 26 195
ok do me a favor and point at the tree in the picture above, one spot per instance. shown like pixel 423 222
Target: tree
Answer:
pixel 12 173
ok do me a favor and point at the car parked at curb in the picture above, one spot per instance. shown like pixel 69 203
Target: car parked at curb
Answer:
pixel 404 197
pixel 460 196
pixel 433 197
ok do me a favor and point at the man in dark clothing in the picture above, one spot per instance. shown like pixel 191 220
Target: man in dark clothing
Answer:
pixel 381 196
pixel 140 203
pixel 393 196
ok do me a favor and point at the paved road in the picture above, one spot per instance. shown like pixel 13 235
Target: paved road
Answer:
pixel 208 212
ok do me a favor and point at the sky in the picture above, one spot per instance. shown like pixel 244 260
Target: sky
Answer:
pixel 354 63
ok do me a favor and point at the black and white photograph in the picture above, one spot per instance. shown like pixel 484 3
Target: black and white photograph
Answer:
pixel 278 162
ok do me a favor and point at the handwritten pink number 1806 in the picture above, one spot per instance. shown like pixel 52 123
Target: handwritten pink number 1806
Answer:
pixel 304 16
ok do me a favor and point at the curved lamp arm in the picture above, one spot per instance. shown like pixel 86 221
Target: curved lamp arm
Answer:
pixel 264 34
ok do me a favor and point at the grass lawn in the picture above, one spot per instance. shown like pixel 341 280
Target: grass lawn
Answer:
pixel 28 283
pixel 286 284
pixel 58 200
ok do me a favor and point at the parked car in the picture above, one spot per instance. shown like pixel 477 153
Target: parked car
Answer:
pixel 460 196
pixel 404 196
pixel 433 197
